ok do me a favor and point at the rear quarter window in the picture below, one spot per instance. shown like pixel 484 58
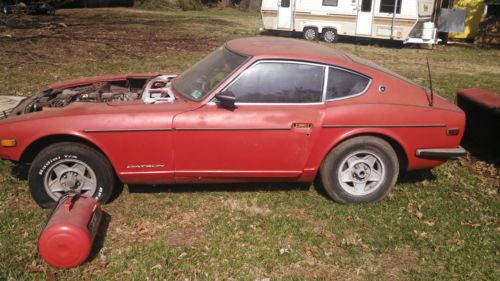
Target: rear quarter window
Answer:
pixel 343 84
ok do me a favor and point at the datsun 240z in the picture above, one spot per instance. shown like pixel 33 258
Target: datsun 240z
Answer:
pixel 256 109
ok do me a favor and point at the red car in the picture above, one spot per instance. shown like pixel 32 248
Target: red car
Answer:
pixel 256 109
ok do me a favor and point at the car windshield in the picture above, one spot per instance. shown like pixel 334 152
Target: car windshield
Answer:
pixel 200 79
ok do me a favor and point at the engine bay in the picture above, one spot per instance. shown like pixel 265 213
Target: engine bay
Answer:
pixel 150 91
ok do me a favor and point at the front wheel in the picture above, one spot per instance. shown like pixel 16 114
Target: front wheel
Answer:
pixel 360 170
pixel 70 167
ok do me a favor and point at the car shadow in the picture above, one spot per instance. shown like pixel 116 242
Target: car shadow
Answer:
pixel 406 177
pixel 222 187
pixel 20 171
pixel 100 237
pixel 416 176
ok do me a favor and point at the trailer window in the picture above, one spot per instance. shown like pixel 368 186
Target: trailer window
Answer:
pixel 366 5
pixel 285 3
pixel 342 84
pixel 387 6
pixel 330 3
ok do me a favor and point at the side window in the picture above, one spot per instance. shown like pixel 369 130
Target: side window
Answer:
pixel 285 3
pixel 387 6
pixel 279 82
pixel 343 83
pixel 330 3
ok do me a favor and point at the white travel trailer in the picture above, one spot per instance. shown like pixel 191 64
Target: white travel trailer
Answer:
pixel 409 21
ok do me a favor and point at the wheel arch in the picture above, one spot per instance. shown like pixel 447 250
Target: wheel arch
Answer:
pixel 395 144
pixel 331 27
pixel 314 26
pixel 32 150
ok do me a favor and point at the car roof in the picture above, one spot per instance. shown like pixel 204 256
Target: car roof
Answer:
pixel 276 47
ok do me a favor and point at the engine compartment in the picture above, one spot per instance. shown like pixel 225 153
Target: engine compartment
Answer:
pixel 150 90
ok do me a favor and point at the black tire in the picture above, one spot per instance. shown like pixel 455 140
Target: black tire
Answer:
pixel 86 169
pixel 310 33
pixel 329 35
pixel 348 167
pixel 5 10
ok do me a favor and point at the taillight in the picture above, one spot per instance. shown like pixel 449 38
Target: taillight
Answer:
pixel 452 131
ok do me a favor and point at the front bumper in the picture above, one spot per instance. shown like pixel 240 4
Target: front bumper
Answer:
pixel 441 153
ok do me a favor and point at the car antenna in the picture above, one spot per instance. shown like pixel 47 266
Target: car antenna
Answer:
pixel 431 100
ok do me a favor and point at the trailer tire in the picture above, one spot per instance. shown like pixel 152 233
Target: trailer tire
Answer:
pixel 310 33
pixel 330 35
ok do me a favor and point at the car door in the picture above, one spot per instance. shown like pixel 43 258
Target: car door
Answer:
pixel 285 14
pixel 279 108
pixel 365 17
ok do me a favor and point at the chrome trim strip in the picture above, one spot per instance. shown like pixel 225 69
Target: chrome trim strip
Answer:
pixel 385 126
pixel 233 129
pixel 212 102
pixel 127 130
pixel 325 82
pixel 146 172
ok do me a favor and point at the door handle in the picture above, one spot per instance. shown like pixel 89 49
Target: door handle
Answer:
pixel 302 125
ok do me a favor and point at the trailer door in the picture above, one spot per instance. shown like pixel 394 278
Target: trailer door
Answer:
pixel 285 14
pixel 365 17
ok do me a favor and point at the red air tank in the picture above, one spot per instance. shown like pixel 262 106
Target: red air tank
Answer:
pixel 68 236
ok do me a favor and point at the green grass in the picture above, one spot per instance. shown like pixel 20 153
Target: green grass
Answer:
pixel 440 224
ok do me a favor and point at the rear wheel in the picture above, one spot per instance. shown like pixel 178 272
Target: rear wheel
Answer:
pixel 310 33
pixel 329 35
pixel 70 167
pixel 360 170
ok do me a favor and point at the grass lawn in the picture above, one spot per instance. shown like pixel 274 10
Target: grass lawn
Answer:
pixel 439 224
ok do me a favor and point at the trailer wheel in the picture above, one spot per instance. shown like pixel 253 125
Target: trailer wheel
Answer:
pixel 310 33
pixel 5 10
pixel 330 35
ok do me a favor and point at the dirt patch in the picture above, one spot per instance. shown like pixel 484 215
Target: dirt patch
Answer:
pixel 185 236
pixel 305 270
pixel 488 172
pixel 99 36
pixel 249 208
pixel 179 228
pixel 395 264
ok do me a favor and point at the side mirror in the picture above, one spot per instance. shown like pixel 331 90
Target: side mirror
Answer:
pixel 226 100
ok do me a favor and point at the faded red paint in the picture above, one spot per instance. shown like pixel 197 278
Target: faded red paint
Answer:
pixel 200 142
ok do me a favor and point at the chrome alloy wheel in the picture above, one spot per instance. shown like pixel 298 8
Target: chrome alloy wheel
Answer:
pixel 361 173
pixel 69 175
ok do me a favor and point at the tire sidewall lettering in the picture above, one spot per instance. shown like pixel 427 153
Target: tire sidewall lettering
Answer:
pixel 54 159
pixel 99 193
